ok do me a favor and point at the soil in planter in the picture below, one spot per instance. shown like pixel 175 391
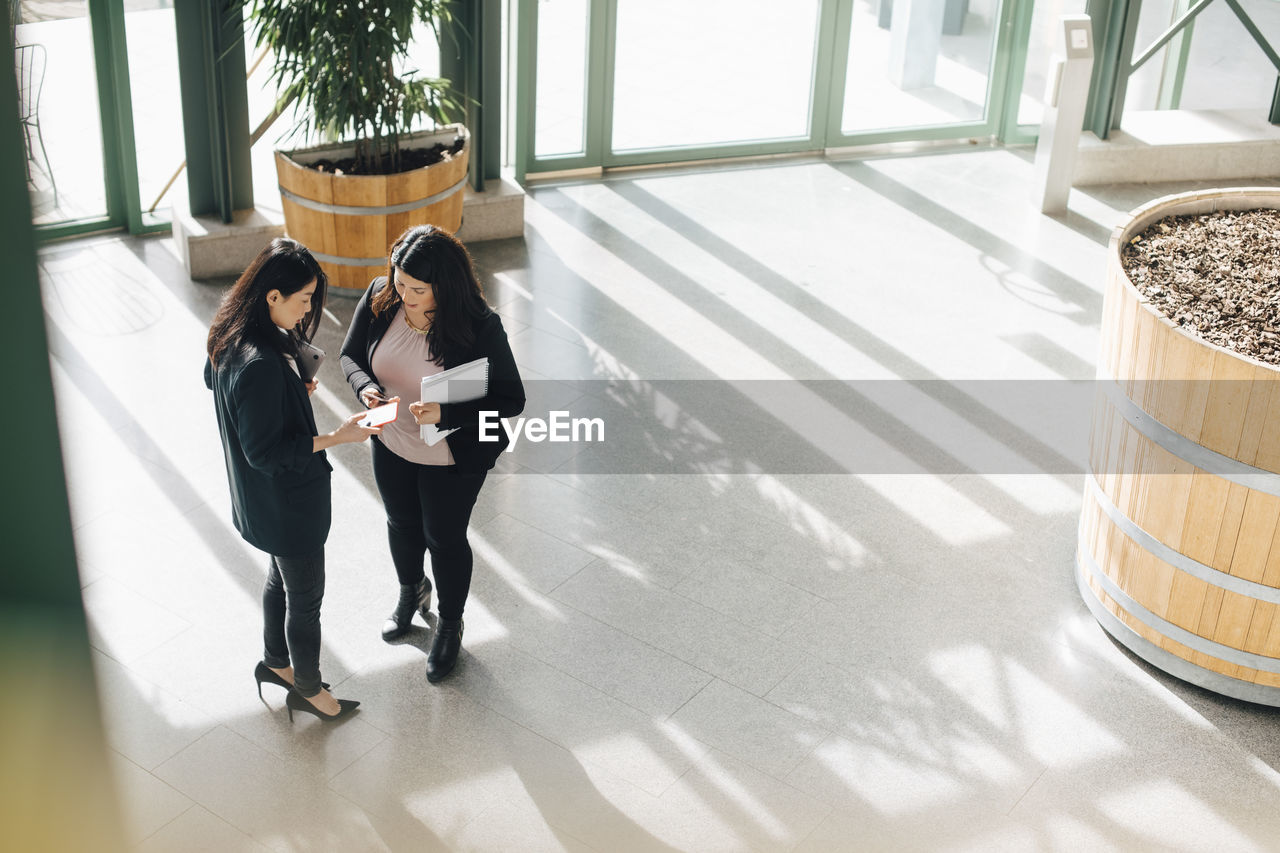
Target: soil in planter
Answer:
pixel 1217 275
pixel 410 159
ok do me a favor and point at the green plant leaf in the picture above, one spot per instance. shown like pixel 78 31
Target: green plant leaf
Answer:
pixel 338 59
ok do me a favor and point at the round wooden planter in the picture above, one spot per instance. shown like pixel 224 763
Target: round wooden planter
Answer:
pixel 349 221
pixel 1179 546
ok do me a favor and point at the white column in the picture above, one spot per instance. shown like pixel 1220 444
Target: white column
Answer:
pixel 915 39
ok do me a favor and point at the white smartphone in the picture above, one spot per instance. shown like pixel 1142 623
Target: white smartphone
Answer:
pixel 380 415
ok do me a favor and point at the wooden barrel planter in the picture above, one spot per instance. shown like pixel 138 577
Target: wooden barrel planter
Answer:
pixel 1178 554
pixel 349 221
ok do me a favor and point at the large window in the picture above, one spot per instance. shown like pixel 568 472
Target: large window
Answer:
pixel 1213 64
pixel 629 82
pixel 59 104
pixel 1042 46
pixel 918 63
pixel 712 72
pixel 76 79
pixel 562 77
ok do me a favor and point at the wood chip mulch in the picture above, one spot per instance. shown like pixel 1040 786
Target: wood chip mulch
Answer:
pixel 1217 275
pixel 410 159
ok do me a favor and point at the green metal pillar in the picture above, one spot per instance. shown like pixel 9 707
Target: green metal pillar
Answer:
pixel 1113 53
pixel 119 157
pixel 56 791
pixel 215 106
pixel 471 58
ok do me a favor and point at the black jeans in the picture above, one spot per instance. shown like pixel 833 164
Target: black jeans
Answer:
pixel 428 508
pixel 291 618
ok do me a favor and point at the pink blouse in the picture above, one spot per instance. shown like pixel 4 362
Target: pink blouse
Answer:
pixel 400 362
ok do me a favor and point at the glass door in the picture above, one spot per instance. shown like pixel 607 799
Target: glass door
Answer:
pixel 603 83
pixel 712 74
pixel 58 101
pixel 918 64
pixel 156 117
pixel 78 115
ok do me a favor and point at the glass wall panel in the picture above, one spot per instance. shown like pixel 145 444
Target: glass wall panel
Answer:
pixel 918 62
pixel 423 60
pixel 59 102
pixel 712 72
pixel 1043 46
pixel 560 128
pixel 157 100
pixel 1144 86
pixel 1226 70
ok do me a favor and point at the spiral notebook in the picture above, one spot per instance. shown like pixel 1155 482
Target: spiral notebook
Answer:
pixel 460 384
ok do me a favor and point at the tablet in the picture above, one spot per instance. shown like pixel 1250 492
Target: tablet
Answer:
pixel 309 360
pixel 380 415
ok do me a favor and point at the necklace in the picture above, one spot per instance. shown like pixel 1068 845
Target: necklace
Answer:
pixel 411 326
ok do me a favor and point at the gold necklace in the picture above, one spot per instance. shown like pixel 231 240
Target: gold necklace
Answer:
pixel 411 326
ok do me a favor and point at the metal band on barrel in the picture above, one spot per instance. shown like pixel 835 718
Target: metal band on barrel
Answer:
pixel 349 210
pixel 1180 561
pixel 1172 631
pixel 1209 461
pixel 349 262
pixel 1263 694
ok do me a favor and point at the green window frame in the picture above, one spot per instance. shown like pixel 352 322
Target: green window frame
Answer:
pixel 119 156
pixel 826 93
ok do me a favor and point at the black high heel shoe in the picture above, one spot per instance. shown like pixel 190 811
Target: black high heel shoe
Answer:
pixel 444 649
pixel 262 673
pixel 295 702
pixel 413 596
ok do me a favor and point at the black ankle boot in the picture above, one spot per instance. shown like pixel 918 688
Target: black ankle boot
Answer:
pixel 414 596
pixel 444 649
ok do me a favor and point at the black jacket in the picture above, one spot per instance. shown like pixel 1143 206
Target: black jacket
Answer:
pixel 506 392
pixel 280 492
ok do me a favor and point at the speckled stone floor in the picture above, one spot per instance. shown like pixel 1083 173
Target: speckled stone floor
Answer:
pixel 743 658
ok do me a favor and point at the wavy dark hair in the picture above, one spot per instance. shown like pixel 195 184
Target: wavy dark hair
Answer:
pixel 436 257
pixel 244 317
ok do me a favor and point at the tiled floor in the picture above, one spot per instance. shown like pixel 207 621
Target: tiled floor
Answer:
pixel 743 658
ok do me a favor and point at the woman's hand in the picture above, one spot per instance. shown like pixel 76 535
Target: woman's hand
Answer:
pixel 312 386
pixel 425 413
pixel 372 396
pixel 349 433
pixel 352 432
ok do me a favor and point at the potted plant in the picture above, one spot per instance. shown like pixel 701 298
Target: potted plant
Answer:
pixel 343 65
pixel 1176 554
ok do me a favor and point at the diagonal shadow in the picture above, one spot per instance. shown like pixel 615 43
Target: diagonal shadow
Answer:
pixel 747 328
pixel 1087 300
pixel 930 746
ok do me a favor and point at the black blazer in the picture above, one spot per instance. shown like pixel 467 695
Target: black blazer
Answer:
pixel 280 492
pixel 506 391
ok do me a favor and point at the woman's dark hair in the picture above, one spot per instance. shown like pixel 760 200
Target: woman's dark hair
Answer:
pixel 436 257
pixel 244 317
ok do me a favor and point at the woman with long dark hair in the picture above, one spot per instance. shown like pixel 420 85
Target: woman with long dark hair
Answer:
pixel 427 315
pixel 276 464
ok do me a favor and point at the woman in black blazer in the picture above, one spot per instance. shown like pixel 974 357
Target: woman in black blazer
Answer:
pixel 426 315
pixel 276 464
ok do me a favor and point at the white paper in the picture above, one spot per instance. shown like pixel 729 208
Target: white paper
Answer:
pixel 456 385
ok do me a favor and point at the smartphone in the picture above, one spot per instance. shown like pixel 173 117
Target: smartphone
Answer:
pixel 380 415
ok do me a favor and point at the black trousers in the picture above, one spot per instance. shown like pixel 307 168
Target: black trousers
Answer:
pixel 291 618
pixel 428 508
